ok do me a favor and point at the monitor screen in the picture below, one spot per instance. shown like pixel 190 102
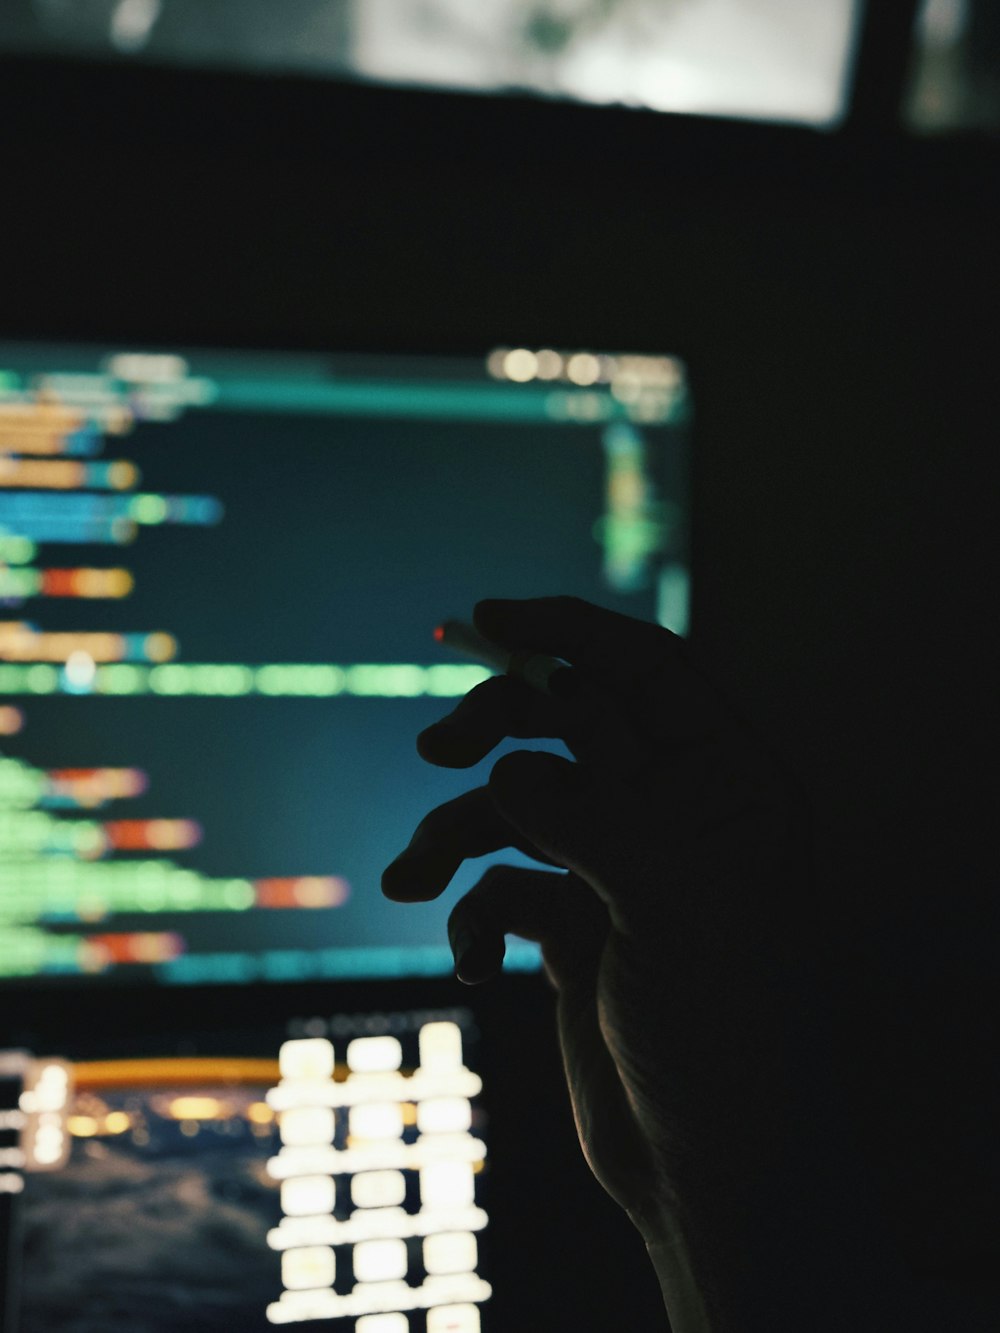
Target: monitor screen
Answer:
pixel 220 573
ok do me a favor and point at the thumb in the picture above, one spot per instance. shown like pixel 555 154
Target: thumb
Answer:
pixel 581 820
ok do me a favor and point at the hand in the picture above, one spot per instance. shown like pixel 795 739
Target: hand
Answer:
pixel 669 936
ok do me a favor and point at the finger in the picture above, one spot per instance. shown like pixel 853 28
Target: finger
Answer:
pixel 592 725
pixel 617 653
pixel 608 646
pixel 589 822
pixel 559 912
pixel 468 826
pixel 491 711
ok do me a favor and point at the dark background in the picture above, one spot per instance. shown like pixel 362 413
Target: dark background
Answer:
pixel 835 297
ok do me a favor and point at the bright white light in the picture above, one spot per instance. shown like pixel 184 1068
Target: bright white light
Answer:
pixel 440 1047
pixel 450 1252
pixel 372 1224
pixel 315 1266
pixel 80 670
pixel 49 1144
pixel 583 368
pixel 443 1115
pixel 374 1055
pixel 382 1323
pixel 451 1081
pixel 379 1260
pixel 453 1319
pixel 376 1121
pixel 378 1297
pixel 132 23
pixel 147 367
pixel 758 58
pixel 310 1058
pixel 378 1189
pixel 306 1126
pixel 520 365
pixel 307 1196
pixel 311 1160
pixel 11 1183
pixel 447 1185
pixel 295 1307
pixel 294 1233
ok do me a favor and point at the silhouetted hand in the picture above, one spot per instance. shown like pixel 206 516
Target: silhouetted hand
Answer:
pixel 677 928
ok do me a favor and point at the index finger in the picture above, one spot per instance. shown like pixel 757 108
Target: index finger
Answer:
pixel 610 647
pixel 651 670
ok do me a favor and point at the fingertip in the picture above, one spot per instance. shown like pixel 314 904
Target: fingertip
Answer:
pixel 398 886
pixel 481 962
pixel 443 745
pixel 478 952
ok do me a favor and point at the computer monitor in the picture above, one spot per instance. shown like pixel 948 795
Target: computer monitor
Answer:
pixel 220 573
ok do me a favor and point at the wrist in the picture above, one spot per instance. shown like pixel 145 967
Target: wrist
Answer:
pixel 687 1303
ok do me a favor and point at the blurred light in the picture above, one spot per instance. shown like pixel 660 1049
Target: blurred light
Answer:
pixel 11 720
pixel 447 1185
pixel 444 1115
pixel 122 476
pixel 379 1260
pixel 198 1108
pixel 382 1323
pixel 312 1059
pixel 550 364
pixel 117 1122
pixel 118 419
pixel 583 368
pixel 160 647
pixel 259 1113
pixel 306 1126
pixel 450 1252
pixel 82 1126
pixel 312 1266
pixel 943 21
pixel 147 367
pixel 453 1319
pixel 378 1189
pixel 370 1055
pixel 376 1120
pixel 440 1047
pixel 320 891
pixel 495 363
pixel 673 597
pixel 520 365
pixel 148 509
pixel 80 670
pixel 306 1196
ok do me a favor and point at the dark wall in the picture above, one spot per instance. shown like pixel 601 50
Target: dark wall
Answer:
pixel 836 299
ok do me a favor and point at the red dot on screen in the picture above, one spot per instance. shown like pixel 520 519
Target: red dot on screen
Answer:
pixel 439 632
